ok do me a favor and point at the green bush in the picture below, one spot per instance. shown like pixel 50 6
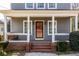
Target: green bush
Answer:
pixel 2 53
pixel 74 40
pixel 63 46
pixel 4 44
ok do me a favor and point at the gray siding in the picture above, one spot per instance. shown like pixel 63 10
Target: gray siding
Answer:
pixel 63 6
pixel 61 37
pixel 22 37
pixel 17 26
pixel 20 6
pixel 63 25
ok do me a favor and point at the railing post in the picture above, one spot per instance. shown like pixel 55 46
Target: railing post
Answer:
pixel 28 29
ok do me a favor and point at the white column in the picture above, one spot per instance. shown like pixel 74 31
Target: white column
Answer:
pixel 28 29
pixel 5 29
pixel 70 24
pixel 76 23
pixel 53 35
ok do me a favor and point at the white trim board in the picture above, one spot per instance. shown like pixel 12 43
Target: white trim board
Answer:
pixel 61 33
pixel 16 33
pixel 44 15
pixel 18 41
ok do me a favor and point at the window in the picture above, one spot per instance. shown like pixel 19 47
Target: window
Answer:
pixel 25 27
pixel 50 27
pixel 55 26
pixel 40 5
pixel 9 26
pixel 29 5
pixel 52 5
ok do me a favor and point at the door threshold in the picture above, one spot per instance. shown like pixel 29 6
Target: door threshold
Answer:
pixel 39 39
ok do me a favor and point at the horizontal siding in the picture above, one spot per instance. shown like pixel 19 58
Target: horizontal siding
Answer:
pixel 21 6
pixel 18 6
pixel 61 37
pixel 63 6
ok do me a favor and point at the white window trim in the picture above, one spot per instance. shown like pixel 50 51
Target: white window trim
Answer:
pixel 27 7
pixel 24 26
pixel 39 8
pixel 48 26
pixel 10 23
pixel 53 8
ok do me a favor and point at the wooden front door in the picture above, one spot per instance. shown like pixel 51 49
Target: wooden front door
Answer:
pixel 39 29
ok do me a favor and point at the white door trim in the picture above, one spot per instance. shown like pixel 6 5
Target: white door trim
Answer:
pixel 35 30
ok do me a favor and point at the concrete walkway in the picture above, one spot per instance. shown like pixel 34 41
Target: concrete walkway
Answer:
pixel 39 54
pixel 49 54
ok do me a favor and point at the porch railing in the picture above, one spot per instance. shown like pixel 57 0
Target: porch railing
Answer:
pixel 17 36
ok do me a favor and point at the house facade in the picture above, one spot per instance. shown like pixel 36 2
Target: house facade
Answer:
pixel 38 26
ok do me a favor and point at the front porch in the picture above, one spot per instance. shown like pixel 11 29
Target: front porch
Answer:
pixel 40 28
pixel 41 36
pixel 25 27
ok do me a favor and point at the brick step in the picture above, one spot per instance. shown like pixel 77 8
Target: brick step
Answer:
pixel 41 46
pixel 41 42
pixel 40 50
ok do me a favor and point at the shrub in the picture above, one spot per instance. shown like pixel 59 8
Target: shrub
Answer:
pixel 74 40
pixel 4 44
pixel 2 53
pixel 63 46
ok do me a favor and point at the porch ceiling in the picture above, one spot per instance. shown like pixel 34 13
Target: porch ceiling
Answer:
pixel 25 13
pixel 38 18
